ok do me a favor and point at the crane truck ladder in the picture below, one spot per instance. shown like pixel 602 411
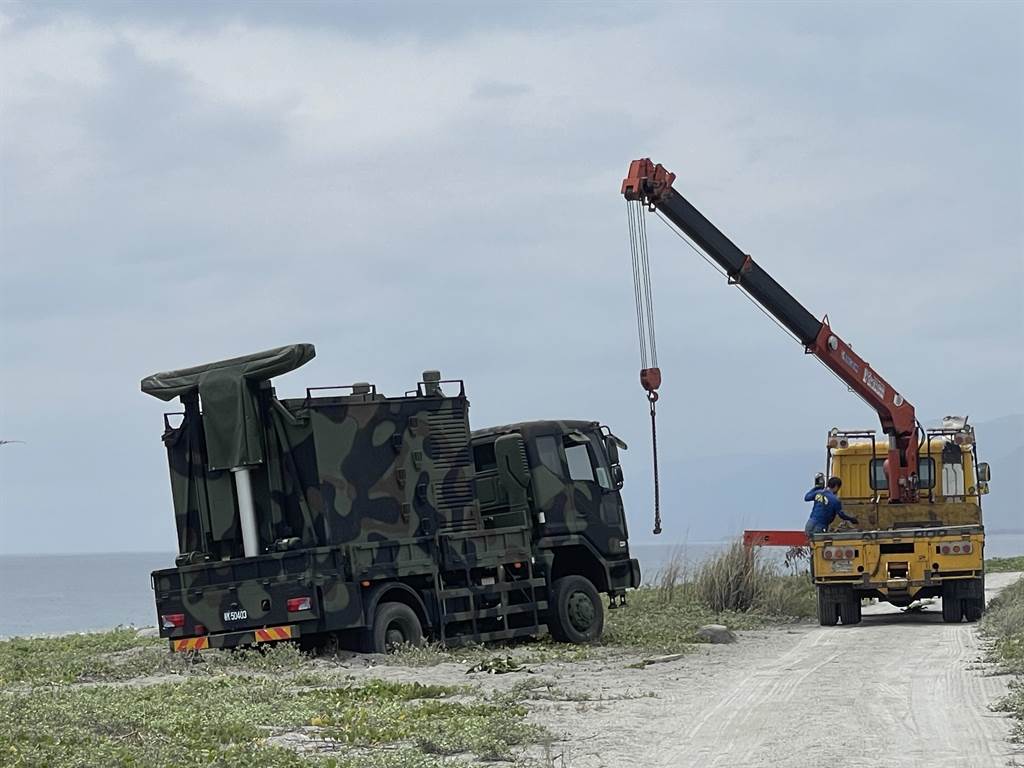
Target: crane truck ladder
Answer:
pixel 649 185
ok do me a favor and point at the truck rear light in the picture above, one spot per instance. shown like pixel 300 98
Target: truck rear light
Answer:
pixel 299 604
pixel 963 548
pixel 839 553
pixel 172 620
pixel 200 629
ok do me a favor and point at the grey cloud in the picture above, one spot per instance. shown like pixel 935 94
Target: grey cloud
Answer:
pixel 492 244
pixel 492 89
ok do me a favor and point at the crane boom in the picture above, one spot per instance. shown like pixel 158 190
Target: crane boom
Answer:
pixel 651 185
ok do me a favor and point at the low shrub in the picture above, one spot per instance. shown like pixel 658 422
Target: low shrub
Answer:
pixel 1004 564
pixel 742 579
pixel 1004 626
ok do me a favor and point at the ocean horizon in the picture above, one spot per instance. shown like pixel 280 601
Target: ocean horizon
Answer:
pixel 45 594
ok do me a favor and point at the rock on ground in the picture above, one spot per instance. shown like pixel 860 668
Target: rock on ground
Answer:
pixel 716 633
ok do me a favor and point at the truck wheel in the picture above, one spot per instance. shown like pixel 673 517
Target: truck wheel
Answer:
pixel 952 606
pixel 974 599
pixel 828 613
pixel 394 625
pixel 575 613
pixel 849 606
pixel 974 608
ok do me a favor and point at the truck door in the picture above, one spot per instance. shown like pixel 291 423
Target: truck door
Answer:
pixel 573 487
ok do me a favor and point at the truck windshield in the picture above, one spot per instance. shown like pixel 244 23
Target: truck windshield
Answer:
pixel 578 460
pixel 925 474
pixel 604 475
pixel 547 452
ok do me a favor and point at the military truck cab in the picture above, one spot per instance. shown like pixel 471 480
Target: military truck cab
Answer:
pixel 348 517
pixel 564 477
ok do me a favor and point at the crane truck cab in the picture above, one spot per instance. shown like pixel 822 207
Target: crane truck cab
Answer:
pixel 901 552
pixel 347 517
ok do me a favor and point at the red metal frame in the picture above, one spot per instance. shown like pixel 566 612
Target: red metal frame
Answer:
pixel 896 414
pixel 647 181
pixel 774 539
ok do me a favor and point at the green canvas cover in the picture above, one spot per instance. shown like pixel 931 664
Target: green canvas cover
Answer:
pixel 228 390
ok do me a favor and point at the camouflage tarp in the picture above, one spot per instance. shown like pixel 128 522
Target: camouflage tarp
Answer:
pixel 228 390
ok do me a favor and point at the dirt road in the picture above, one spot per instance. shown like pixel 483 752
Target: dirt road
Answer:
pixel 898 690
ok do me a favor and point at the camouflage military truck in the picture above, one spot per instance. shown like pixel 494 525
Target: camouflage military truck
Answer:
pixel 354 519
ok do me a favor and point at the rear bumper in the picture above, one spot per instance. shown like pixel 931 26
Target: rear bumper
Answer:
pixel 930 580
pixel 899 561
pixel 235 639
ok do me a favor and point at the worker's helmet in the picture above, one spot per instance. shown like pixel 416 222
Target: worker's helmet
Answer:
pixel 835 483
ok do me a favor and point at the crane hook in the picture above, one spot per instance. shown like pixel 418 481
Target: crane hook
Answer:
pixel 652 398
pixel 650 380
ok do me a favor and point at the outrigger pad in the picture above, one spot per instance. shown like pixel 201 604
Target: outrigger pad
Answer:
pixel 228 391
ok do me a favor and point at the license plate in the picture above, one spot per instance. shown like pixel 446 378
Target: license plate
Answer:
pixel 235 615
pixel 842 566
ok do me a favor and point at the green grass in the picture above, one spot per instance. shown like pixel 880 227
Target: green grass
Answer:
pixel 653 623
pixel 737 588
pixel 113 698
pixel 526 652
pixel 1004 564
pixel 64 703
pixel 122 655
pixel 1004 626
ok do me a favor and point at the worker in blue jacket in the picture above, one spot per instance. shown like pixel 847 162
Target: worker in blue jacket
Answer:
pixel 826 506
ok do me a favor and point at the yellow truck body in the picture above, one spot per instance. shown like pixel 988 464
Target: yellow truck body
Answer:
pixel 900 553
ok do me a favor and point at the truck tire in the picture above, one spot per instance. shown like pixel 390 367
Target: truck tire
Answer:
pixel 952 605
pixel 394 625
pixel 973 599
pixel 828 608
pixel 974 608
pixel 575 612
pixel 849 606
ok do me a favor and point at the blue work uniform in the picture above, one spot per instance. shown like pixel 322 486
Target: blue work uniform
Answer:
pixel 826 506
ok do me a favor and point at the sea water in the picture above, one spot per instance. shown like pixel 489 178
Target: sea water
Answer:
pixel 53 594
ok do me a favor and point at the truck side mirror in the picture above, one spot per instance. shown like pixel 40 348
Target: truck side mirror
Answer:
pixel 984 472
pixel 612 447
pixel 617 477
pixel 513 471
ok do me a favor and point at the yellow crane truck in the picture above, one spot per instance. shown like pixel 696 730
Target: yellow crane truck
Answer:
pixel 915 493
pixel 931 547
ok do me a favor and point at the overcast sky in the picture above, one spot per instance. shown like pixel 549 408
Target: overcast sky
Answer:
pixel 419 186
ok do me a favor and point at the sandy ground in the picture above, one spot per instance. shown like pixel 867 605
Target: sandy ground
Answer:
pixel 898 690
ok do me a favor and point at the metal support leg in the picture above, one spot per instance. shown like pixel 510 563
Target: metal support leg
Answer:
pixel 246 511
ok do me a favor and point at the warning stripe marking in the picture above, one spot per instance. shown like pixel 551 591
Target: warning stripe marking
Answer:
pixel 191 644
pixel 270 634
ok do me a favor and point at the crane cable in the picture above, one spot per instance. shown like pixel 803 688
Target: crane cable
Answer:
pixel 650 374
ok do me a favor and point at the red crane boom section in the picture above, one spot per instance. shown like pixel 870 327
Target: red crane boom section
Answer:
pixel 651 186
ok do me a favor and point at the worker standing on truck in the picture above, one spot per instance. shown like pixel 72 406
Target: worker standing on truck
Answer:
pixel 826 507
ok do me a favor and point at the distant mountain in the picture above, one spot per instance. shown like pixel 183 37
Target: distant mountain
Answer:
pixel 1001 444
pixel 710 498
